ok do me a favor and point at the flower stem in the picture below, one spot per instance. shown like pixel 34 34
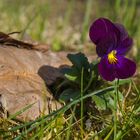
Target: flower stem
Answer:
pixel 109 134
pixel 82 104
pixel 115 108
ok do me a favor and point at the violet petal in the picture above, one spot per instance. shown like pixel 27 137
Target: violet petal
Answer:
pixel 125 68
pixel 124 46
pixel 104 33
pixel 123 31
pixel 106 70
pixel 125 42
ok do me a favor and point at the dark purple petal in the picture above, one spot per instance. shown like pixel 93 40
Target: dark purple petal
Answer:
pixel 104 34
pixel 125 68
pixel 104 47
pixel 102 28
pixel 106 70
pixel 124 46
pixel 125 42
pixel 121 28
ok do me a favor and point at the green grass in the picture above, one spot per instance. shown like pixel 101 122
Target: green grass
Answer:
pixel 56 126
pixel 62 28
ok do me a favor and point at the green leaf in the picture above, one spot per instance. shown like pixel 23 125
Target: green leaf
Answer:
pixel 110 103
pixel 107 100
pixel 69 94
pixel 122 81
pixel 70 77
pixel 100 102
pixel 71 74
pixel 79 60
pixel 110 99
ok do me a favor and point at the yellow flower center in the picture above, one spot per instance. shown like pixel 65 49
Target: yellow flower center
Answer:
pixel 112 57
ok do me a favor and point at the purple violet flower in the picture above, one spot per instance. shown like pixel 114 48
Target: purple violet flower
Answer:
pixel 112 43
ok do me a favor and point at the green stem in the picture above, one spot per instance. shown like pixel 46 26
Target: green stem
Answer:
pixel 90 81
pixel 109 134
pixel 119 102
pixel 70 123
pixel 115 108
pixel 82 104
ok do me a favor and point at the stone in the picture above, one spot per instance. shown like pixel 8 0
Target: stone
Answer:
pixel 24 77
